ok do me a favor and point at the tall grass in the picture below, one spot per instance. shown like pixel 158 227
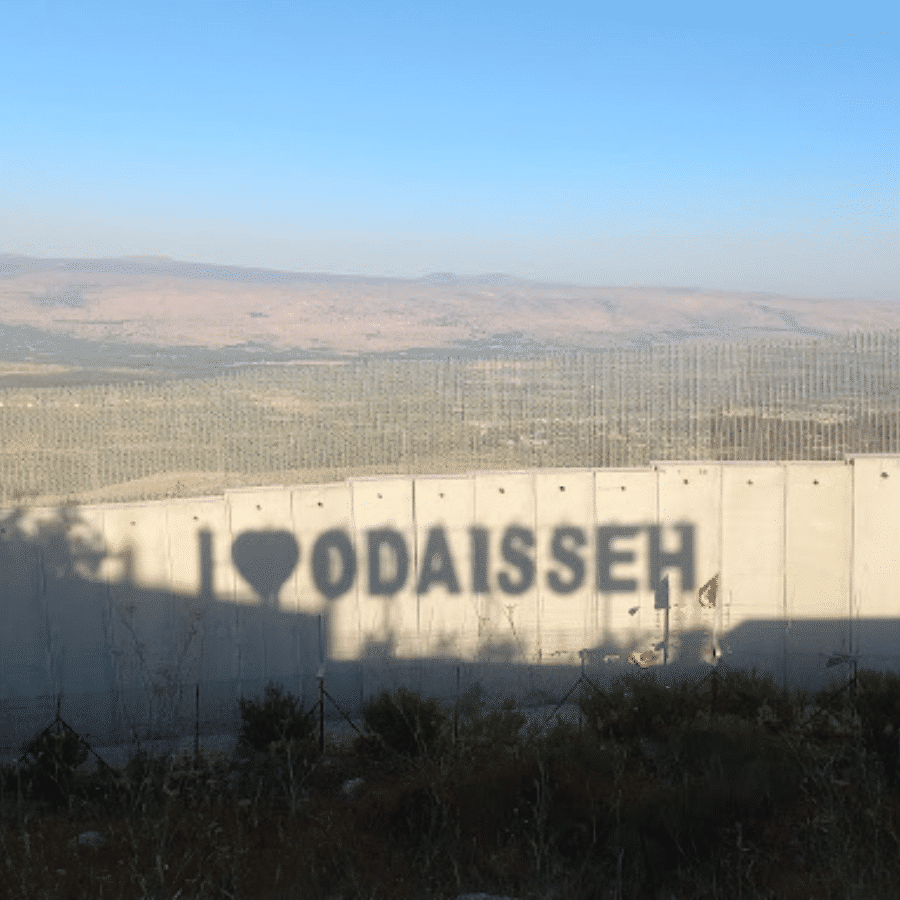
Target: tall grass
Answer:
pixel 658 795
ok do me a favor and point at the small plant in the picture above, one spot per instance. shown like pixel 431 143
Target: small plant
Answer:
pixel 878 706
pixel 405 722
pixel 499 727
pixel 744 694
pixel 278 718
pixel 638 705
pixel 53 760
pixel 142 780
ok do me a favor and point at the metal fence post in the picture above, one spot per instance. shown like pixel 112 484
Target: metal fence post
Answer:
pixel 321 714
pixel 196 722
pixel 456 711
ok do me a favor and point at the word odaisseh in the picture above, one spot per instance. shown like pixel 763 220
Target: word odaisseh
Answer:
pixel 334 560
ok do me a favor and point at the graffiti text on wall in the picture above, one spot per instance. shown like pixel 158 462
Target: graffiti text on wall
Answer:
pixel 334 561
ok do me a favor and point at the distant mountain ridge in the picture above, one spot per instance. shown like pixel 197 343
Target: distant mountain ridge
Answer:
pixel 151 310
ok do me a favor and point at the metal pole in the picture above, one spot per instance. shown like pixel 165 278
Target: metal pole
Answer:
pixel 456 710
pixel 321 714
pixel 666 644
pixel 196 722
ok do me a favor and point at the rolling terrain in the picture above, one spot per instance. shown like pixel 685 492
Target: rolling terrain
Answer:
pixel 69 321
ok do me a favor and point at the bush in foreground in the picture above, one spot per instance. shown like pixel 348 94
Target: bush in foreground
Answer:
pixel 693 805
pixel 277 718
pixel 52 761
pixel 403 722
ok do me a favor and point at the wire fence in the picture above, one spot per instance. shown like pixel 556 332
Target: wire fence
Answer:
pixel 316 423
pixel 170 730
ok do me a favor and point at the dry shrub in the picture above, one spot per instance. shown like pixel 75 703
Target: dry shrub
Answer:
pixel 52 759
pixel 404 723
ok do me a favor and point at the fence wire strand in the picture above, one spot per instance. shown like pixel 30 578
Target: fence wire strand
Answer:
pixel 316 423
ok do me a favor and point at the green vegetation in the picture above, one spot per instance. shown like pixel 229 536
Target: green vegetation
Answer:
pixel 276 719
pixel 309 424
pixel 723 789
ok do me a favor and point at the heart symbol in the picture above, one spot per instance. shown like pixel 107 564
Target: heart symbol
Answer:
pixel 266 560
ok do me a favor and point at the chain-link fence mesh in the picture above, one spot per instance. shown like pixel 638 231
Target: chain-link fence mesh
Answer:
pixel 317 423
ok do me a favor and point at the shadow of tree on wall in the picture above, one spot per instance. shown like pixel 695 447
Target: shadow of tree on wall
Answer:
pixel 122 658
pixel 62 543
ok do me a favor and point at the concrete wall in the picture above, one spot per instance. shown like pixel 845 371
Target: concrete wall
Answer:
pixel 512 579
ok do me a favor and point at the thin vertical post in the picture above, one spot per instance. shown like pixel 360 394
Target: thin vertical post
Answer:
pixel 321 714
pixel 666 644
pixel 456 711
pixel 895 391
pixel 582 654
pixel 196 723
pixel 882 390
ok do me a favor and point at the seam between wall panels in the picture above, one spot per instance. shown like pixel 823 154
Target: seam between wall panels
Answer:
pixel 360 667
pixel 295 578
pixel 238 623
pixel 722 577
pixel 720 599
pixel 172 611
pixel 538 593
pixel 359 576
pixel 656 472
pixel 851 631
pixel 594 600
pixel 784 596
pixel 170 568
pixel 415 568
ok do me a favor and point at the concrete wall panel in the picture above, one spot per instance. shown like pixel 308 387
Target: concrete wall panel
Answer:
pixel 203 582
pixel 753 565
pixel 264 557
pixel 137 535
pixel 70 636
pixel 25 650
pixel 316 510
pixel 142 614
pixel 262 521
pixel 564 499
pixel 201 565
pixel 818 535
pixel 625 622
pixel 508 609
pixel 876 561
pixel 77 600
pixel 690 494
pixel 386 624
pixel 448 615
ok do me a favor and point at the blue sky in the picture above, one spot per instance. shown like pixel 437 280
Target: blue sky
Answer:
pixel 750 147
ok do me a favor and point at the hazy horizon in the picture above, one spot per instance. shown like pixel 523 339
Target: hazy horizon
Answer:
pixel 206 269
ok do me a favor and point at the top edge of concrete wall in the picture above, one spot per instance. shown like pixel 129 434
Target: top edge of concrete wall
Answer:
pixel 755 463
pixel 263 488
pixel 394 476
pixel 653 466
pixel 215 498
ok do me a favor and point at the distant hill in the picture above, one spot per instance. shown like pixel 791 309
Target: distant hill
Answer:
pixel 163 315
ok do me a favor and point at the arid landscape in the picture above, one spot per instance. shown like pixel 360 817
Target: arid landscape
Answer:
pixel 61 318
pixel 435 375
